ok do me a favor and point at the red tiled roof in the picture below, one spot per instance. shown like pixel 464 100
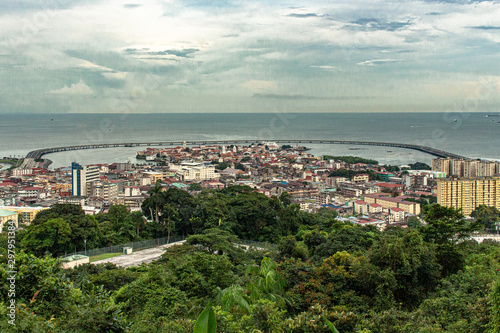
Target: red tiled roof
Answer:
pixel 389 185
pixel 400 199
pixel 8 184
pixel 32 188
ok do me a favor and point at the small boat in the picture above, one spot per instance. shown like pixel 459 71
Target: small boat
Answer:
pixel 454 120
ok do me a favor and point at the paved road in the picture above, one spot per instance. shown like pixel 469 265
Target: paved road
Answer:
pixel 480 239
pixel 139 257
pixel 148 255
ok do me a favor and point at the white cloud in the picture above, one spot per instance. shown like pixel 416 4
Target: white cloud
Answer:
pixel 326 68
pixel 246 46
pixel 79 88
pixel 378 62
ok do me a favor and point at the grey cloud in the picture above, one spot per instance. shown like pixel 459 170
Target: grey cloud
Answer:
pixel 132 5
pixel 183 53
pixel 485 27
pixel 376 24
pixel 412 39
pixel 297 15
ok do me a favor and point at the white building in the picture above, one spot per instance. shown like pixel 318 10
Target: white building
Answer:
pixel 398 213
pixel 18 172
pixel 132 191
pixel 81 176
pixel 198 172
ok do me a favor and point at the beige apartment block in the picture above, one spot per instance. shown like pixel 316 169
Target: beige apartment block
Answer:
pixel 397 202
pixel 465 168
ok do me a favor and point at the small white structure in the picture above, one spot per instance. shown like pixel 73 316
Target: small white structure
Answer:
pixel 74 260
pixel 127 250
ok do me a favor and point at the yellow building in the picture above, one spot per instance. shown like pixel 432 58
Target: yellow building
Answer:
pixel 361 178
pixel 7 215
pixel 27 213
pixel 469 193
pixel 60 186
pixel 154 176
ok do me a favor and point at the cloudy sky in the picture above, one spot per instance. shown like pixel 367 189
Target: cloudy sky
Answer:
pixel 249 56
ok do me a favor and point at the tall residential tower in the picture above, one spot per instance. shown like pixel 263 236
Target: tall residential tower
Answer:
pixel 81 175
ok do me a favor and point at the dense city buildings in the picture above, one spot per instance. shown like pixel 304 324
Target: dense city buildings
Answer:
pixel 391 194
pixel 364 190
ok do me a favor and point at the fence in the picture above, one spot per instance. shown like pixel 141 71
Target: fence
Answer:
pixel 146 244
pixel 262 245
pixel 141 245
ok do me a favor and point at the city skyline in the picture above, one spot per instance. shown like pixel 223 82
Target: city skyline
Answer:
pixel 190 56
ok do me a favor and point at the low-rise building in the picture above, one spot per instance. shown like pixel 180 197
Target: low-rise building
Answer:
pixel 374 208
pixel 27 214
pixel 360 207
pixel 6 216
pixel 388 202
pixel 398 213
pixel 361 178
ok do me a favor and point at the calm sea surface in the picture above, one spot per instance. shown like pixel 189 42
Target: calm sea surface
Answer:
pixel 472 135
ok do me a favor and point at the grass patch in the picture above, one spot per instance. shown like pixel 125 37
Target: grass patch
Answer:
pixel 104 256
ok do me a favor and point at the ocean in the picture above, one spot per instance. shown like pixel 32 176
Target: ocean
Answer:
pixel 469 134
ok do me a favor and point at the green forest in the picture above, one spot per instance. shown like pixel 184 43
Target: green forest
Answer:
pixel 427 278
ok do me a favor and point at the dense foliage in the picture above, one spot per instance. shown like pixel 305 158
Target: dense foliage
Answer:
pixel 350 159
pixel 419 166
pixel 427 278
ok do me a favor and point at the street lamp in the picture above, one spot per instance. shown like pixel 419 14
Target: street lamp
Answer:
pixel 85 241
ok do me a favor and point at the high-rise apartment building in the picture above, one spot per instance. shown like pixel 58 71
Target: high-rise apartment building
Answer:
pixel 465 168
pixel 81 175
pixel 441 165
pixel 469 193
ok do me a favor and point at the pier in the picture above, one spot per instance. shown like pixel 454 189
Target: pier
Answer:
pixel 37 154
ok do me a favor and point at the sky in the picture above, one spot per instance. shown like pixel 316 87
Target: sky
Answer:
pixel 170 56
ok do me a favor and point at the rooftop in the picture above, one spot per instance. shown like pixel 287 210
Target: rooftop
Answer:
pixel 5 213
pixel 74 257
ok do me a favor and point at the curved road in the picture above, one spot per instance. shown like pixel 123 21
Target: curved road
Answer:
pixel 37 154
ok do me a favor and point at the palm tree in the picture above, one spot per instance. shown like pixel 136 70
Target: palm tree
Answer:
pixel 268 282
pixel 234 297
pixel 156 199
